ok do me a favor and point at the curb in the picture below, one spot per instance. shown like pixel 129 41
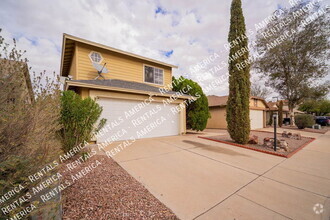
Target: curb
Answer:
pixel 262 151
pixel 301 147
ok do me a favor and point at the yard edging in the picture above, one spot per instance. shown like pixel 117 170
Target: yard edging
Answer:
pixel 262 151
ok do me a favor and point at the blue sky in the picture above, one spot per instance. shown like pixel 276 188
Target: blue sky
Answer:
pixel 183 33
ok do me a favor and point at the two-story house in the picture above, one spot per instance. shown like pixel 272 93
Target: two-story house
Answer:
pixel 135 94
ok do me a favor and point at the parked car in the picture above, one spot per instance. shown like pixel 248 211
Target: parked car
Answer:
pixel 286 121
pixel 322 120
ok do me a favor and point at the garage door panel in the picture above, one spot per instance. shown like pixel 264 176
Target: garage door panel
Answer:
pixel 152 120
pixel 256 118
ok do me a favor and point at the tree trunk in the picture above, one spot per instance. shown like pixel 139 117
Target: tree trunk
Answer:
pixel 291 116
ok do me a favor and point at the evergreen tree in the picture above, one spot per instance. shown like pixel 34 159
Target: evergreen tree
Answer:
pixel 238 113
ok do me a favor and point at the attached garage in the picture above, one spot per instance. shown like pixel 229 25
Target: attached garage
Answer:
pixel 134 110
pixel 256 119
pixel 131 119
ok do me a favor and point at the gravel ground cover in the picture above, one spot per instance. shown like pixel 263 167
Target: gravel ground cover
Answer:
pixel 109 192
pixel 293 144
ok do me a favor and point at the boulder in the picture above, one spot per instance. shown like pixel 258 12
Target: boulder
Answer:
pixel 289 135
pixel 285 134
pixel 253 139
pixel 284 145
pixel 266 139
pixel 268 142
pixel 296 136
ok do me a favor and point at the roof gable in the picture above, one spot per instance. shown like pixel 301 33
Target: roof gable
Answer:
pixel 68 46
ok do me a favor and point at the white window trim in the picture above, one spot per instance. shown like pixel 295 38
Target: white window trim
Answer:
pixel 144 65
pixel 90 56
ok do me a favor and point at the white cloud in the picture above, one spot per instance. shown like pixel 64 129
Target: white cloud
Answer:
pixel 192 29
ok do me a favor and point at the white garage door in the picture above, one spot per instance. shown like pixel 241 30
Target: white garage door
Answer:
pixel 257 119
pixel 128 119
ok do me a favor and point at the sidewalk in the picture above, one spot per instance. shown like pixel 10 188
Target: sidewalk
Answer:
pixel 293 189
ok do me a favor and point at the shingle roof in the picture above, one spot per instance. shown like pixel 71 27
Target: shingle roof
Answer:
pixel 222 100
pixel 126 85
pixel 273 106
pixel 217 100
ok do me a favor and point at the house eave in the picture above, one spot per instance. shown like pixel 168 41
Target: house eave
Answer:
pixel 69 84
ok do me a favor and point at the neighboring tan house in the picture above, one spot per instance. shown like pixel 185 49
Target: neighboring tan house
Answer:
pixel 217 107
pixel 273 108
pixel 19 72
pixel 124 93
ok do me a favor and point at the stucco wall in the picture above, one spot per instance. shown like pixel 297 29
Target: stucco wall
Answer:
pixel 218 118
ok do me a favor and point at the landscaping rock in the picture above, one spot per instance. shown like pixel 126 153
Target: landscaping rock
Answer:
pixel 296 136
pixel 284 145
pixel 285 134
pixel 253 139
pixel 266 139
pixel 109 192
pixel 268 145
pixel 268 142
pixel 289 135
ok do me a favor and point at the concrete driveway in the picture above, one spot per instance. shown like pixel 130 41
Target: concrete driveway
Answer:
pixel 201 179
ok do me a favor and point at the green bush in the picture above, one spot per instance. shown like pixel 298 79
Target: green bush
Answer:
pixel 78 117
pixel 302 121
pixel 197 112
pixel 270 122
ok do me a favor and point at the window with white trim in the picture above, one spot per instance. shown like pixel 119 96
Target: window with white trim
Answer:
pixel 95 57
pixel 153 75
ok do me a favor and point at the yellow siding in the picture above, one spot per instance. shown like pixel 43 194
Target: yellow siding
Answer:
pixel 218 118
pixel 260 104
pixel 120 66
pixel 84 92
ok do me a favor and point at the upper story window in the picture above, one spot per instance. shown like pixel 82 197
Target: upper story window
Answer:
pixel 95 57
pixel 153 75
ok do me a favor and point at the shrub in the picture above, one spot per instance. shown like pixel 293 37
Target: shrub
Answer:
pixel 78 117
pixel 29 121
pixel 270 122
pixel 303 120
pixel 197 112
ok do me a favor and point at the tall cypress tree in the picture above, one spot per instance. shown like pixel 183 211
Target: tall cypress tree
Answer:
pixel 238 112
